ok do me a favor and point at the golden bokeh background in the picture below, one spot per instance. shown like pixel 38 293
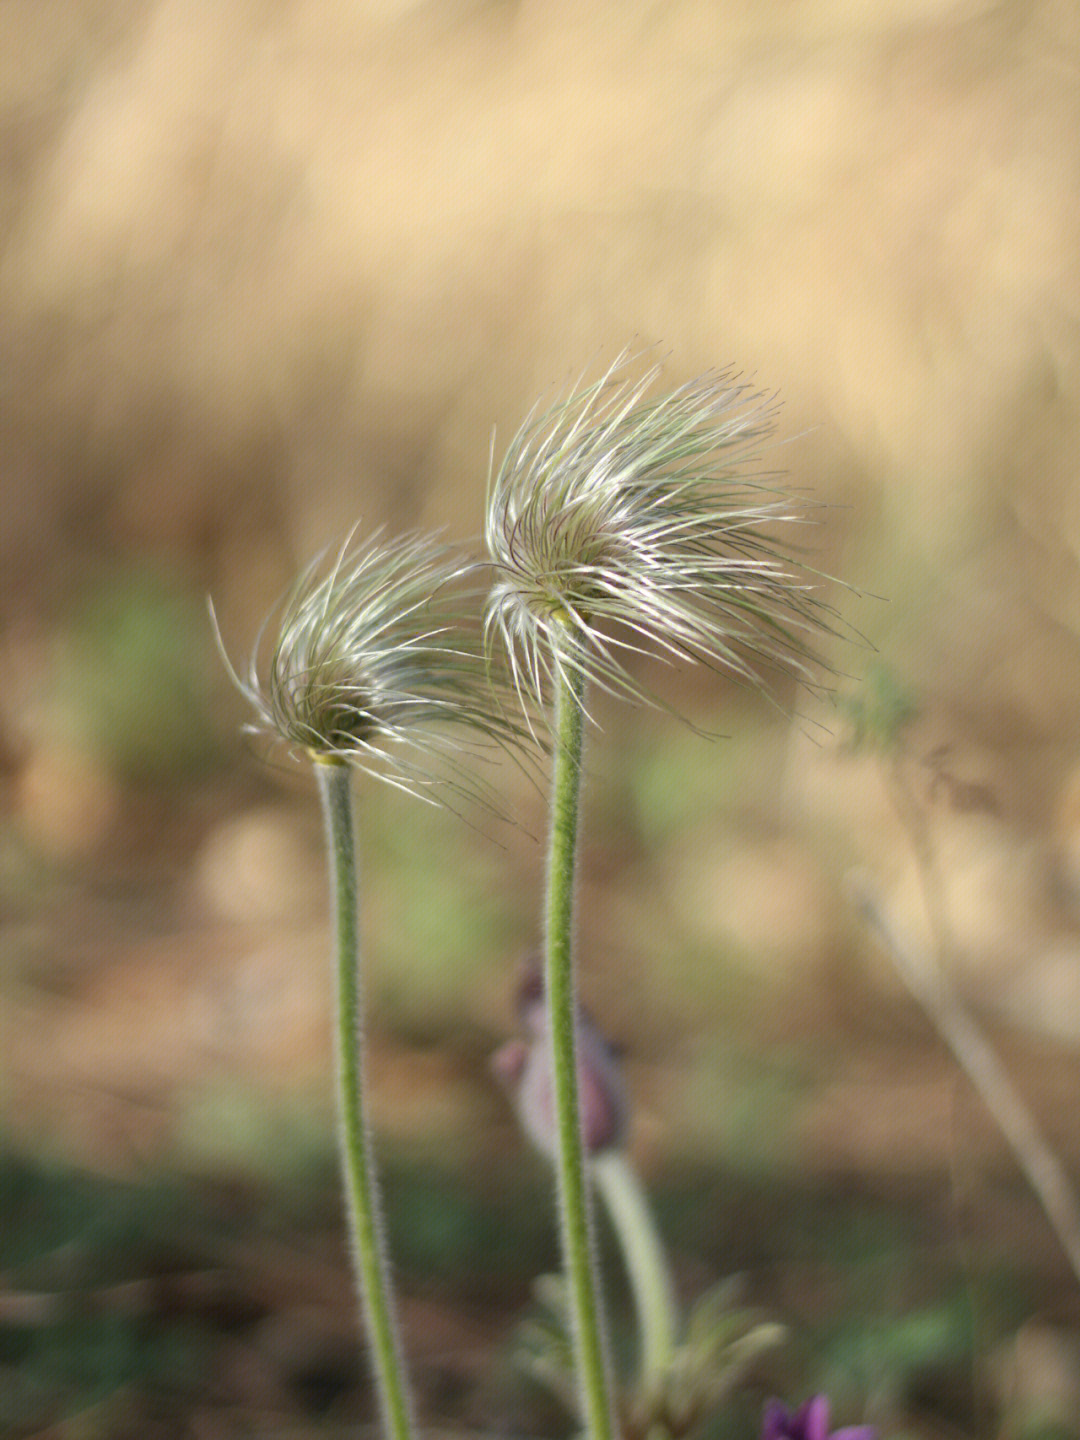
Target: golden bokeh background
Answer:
pixel 272 268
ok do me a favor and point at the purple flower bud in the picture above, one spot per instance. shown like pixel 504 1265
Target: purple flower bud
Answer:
pixel 809 1422
pixel 523 1067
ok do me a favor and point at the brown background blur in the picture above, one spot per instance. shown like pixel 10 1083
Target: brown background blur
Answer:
pixel 269 269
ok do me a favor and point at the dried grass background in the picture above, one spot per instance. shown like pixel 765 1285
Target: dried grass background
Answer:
pixel 271 267
pixel 268 266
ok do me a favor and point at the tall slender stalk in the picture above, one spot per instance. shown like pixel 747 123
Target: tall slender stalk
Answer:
pixel 357 1160
pixel 646 1262
pixel 575 1208
pixel 366 660
pixel 621 522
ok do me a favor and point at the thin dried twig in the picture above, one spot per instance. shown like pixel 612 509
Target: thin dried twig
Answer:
pixel 921 972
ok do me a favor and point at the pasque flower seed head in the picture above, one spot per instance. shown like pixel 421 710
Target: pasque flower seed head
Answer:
pixel 621 522
pixel 373 655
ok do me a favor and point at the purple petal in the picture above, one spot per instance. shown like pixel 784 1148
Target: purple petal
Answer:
pixel 812 1421
pixel 855 1432
pixel 776 1421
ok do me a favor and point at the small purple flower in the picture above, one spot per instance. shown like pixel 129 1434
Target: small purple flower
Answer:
pixel 524 1069
pixel 809 1422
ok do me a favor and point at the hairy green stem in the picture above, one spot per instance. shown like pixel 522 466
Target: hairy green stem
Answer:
pixel 646 1262
pixel 590 1348
pixel 357 1159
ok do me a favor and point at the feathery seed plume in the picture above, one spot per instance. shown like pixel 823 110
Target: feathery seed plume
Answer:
pixel 619 522
pixel 372 655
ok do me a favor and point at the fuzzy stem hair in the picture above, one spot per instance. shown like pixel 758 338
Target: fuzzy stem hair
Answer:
pixel 575 1201
pixel 357 1154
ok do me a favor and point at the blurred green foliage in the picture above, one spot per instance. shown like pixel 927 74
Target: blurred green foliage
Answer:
pixel 133 676
pixel 741 1106
pixel 675 778
pixel 1036 1427
pixel 91 1259
pixel 436 897
pixel 879 709
pixel 449 1228
pixel 72 1246
pixel 237 1129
